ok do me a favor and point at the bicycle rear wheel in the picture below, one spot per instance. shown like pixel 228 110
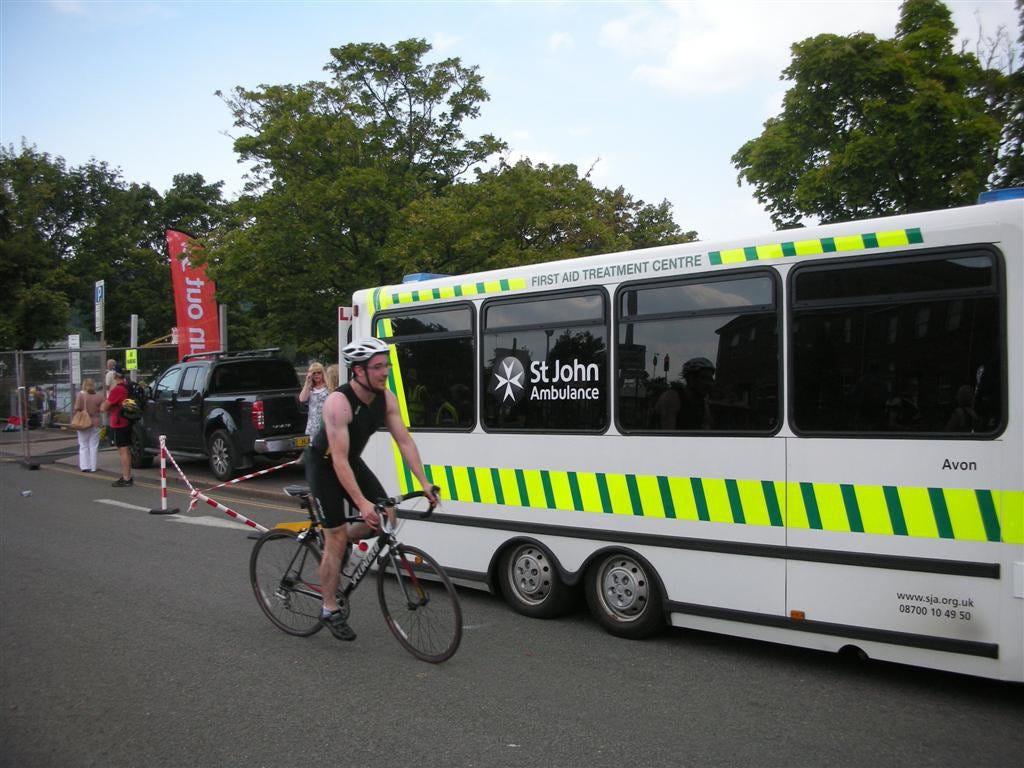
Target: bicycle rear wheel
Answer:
pixel 419 604
pixel 285 575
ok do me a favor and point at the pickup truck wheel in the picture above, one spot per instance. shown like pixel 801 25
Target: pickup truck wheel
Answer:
pixel 222 455
pixel 137 450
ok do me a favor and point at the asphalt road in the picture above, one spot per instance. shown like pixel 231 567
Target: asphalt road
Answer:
pixel 128 639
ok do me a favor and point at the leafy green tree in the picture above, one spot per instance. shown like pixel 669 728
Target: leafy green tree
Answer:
pixel 361 179
pixel 523 214
pixel 1010 100
pixel 334 164
pixel 195 207
pixel 39 208
pixel 62 229
pixel 872 127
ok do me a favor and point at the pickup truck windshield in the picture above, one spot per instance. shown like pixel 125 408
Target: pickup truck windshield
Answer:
pixel 253 376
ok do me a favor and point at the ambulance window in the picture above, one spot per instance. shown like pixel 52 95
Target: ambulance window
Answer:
pixel 545 363
pixel 699 355
pixel 434 375
pixel 911 346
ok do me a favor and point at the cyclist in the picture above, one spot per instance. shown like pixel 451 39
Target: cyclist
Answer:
pixel 339 479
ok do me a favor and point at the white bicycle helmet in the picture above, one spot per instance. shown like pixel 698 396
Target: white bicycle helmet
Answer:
pixel 361 350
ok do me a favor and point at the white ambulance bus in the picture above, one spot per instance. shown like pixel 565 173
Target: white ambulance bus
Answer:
pixel 814 437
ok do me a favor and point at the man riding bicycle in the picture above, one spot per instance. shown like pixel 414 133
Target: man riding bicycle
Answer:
pixel 338 477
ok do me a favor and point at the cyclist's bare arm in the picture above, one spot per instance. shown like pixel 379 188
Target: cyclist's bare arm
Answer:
pixel 337 415
pixel 406 445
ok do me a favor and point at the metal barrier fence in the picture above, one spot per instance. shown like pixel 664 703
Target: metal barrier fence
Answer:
pixel 38 389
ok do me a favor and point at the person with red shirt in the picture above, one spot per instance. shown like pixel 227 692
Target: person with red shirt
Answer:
pixel 120 425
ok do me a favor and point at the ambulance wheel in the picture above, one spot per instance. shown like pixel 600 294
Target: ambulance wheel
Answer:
pixel 623 596
pixel 530 582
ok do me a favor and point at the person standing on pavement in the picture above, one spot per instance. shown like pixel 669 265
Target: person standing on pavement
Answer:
pixel 90 401
pixel 108 384
pixel 108 379
pixel 121 427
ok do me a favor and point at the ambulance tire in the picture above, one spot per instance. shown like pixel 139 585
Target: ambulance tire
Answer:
pixel 530 582
pixel 624 596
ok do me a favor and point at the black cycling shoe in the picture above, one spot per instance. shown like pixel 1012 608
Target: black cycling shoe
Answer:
pixel 338 626
pixel 123 482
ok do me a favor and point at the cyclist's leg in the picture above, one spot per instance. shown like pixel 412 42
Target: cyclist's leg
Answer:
pixel 338 533
pixel 329 503
pixel 371 488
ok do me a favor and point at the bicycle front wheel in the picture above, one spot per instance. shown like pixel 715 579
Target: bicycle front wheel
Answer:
pixel 419 603
pixel 285 575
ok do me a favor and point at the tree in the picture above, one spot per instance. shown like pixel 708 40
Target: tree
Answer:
pixel 64 228
pixel 39 208
pixel 334 164
pixel 523 214
pixel 1010 101
pixel 362 179
pixel 873 127
pixel 193 206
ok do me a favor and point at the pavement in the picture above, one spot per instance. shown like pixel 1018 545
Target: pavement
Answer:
pixel 45 445
pixel 59 446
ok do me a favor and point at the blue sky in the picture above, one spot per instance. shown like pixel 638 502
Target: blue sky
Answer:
pixel 655 95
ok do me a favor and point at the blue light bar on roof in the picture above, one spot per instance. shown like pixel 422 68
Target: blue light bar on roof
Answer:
pixel 419 277
pixel 994 195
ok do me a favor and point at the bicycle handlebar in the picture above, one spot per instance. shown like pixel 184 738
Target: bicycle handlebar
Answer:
pixel 394 501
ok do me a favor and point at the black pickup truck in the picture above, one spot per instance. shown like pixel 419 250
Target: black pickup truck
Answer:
pixel 225 407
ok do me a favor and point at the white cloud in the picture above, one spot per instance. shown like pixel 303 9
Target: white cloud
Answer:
pixel 443 43
pixel 115 12
pixel 70 7
pixel 560 41
pixel 710 46
pixel 535 156
pixel 644 31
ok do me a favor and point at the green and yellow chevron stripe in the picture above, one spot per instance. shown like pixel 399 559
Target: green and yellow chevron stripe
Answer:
pixel 866 241
pixel 387 296
pixel 938 513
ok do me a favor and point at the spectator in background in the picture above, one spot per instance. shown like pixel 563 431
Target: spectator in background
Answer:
pixel 108 384
pixel 90 401
pixel 121 427
pixel 333 374
pixel 314 391
pixel 108 380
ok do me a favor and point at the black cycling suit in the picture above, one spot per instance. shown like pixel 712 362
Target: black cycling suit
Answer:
pixel 332 500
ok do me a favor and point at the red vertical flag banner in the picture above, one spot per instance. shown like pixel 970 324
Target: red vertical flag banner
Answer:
pixel 195 301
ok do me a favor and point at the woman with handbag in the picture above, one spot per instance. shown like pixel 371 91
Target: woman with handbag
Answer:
pixel 88 405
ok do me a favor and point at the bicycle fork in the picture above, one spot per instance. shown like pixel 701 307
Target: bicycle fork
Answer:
pixel 408 581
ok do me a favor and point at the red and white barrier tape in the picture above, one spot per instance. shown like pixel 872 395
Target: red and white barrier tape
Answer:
pixel 197 496
pixel 253 474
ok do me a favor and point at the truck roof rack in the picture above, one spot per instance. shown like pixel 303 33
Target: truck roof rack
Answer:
pixel 219 355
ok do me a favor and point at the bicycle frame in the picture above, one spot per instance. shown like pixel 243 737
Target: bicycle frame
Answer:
pixel 426 620
pixel 383 545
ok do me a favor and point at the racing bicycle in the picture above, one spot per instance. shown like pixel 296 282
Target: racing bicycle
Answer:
pixel 419 603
